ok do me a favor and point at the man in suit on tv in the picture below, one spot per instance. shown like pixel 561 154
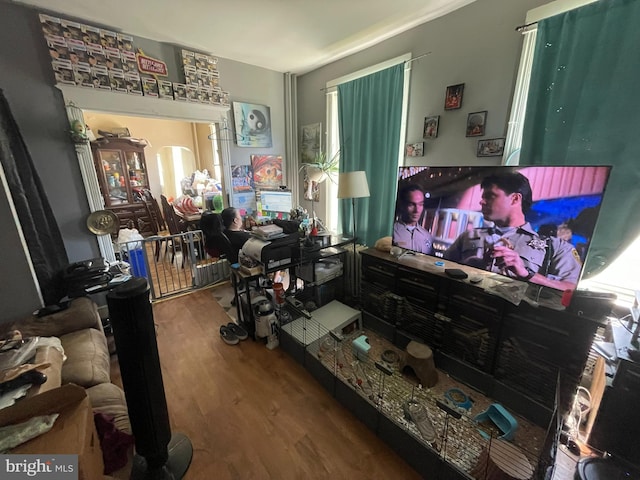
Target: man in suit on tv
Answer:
pixel 509 245
pixel 407 231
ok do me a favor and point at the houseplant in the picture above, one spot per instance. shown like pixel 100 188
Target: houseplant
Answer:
pixel 319 170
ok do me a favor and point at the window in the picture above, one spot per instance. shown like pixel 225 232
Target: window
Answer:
pixel 333 134
pixel 620 277
pixel 333 145
pixel 518 107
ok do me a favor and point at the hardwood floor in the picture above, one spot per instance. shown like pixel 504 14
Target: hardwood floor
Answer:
pixel 255 413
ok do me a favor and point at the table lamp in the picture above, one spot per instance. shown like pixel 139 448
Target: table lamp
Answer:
pixel 353 185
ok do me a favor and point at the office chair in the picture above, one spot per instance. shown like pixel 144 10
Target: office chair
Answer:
pixel 211 226
pixel 227 248
pixel 216 241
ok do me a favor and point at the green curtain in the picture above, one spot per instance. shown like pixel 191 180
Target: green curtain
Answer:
pixel 583 108
pixel 369 119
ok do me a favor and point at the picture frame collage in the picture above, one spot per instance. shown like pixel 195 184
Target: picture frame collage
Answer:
pixel 92 57
pixel 475 126
pixel 202 80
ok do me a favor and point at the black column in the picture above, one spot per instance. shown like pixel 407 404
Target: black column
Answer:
pixel 135 337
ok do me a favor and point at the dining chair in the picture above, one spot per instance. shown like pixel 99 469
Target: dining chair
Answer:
pixel 175 230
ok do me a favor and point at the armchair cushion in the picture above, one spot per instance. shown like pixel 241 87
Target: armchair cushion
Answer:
pixel 87 361
pixel 109 399
pixel 81 313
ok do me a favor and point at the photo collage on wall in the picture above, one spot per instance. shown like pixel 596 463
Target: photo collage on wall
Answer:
pixel 202 80
pixel 94 57
pixel 476 126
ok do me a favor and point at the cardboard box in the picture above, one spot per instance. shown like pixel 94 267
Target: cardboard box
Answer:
pixel 180 92
pixel 149 87
pixel 73 432
pixel 132 83
pixel 165 89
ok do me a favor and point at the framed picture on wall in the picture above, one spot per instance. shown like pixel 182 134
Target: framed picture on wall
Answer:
pixel 267 171
pixel 453 97
pixel 492 147
pixel 311 142
pixel 253 124
pixel 431 126
pixel 415 149
pixel 476 122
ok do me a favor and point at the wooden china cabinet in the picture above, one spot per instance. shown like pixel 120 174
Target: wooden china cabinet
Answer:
pixel 122 174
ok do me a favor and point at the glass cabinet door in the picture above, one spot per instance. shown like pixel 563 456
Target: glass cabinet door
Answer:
pixel 116 178
pixel 137 174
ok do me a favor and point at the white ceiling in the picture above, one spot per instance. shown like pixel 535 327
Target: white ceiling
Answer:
pixel 283 35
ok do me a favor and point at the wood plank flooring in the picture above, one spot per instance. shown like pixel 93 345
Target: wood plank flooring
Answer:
pixel 254 413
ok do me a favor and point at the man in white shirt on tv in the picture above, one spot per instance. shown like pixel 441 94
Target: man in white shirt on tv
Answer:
pixel 407 231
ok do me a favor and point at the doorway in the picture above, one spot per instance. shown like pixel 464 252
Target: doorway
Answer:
pixel 79 101
pixel 175 149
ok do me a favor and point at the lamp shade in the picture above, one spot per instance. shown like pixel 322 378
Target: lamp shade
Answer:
pixel 353 185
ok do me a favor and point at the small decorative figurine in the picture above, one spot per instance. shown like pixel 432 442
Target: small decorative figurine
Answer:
pixel 78 132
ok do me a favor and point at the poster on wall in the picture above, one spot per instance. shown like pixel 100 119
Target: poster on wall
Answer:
pixel 267 171
pixel 242 178
pixel 310 144
pixel 253 124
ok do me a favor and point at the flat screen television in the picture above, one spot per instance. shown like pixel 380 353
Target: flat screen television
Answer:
pixel 529 223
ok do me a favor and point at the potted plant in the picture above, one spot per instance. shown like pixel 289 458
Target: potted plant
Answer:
pixel 322 168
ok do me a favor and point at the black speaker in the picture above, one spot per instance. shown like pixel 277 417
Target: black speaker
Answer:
pixel 131 316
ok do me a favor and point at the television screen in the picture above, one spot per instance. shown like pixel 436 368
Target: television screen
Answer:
pixel 529 223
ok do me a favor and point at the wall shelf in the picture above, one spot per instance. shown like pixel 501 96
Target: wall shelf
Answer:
pixel 125 104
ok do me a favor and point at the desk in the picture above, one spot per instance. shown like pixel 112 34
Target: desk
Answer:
pixel 242 281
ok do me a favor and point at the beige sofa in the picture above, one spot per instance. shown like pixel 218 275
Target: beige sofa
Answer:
pixel 81 334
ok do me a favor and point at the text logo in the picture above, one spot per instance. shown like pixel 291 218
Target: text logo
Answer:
pixel 151 65
pixel 51 467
